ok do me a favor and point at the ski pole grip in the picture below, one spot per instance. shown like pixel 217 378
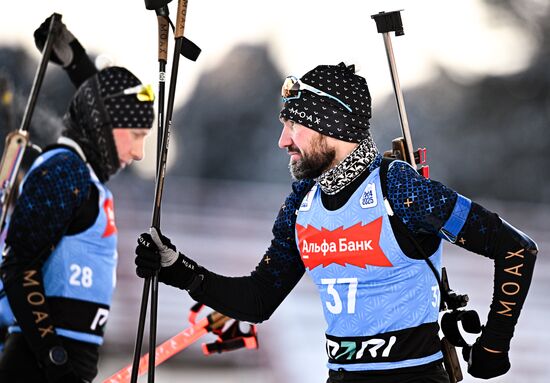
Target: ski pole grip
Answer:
pixel 180 19
pixel 389 22
pixel 155 4
pixel 163 37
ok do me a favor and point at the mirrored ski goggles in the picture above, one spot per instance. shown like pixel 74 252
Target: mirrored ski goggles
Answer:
pixel 292 89
pixel 143 93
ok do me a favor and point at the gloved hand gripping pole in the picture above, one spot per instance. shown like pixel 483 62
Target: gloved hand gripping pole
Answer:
pixel 162 154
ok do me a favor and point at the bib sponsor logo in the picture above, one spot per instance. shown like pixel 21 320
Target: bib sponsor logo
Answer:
pixel 306 202
pixel 109 209
pixel 368 198
pixel 351 350
pixel 357 245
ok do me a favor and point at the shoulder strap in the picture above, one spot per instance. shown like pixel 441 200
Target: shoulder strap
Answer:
pixel 384 166
pixel 401 227
pixel 449 299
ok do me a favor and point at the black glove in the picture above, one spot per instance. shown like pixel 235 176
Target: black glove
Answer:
pixel 58 368
pixel 485 364
pixel 65 46
pixel 66 51
pixel 147 256
pixel 156 253
pixel 69 377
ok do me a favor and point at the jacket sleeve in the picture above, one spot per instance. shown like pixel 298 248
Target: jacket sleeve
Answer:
pixel 82 66
pixel 514 255
pixel 51 195
pixel 427 206
pixel 255 297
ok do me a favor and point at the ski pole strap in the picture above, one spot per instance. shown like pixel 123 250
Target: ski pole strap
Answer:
pixel 456 221
pixel 449 299
pixel 190 50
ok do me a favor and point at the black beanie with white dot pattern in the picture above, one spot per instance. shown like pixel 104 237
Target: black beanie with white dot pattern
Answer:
pixel 328 116
pixel 125 111
pixel 94 112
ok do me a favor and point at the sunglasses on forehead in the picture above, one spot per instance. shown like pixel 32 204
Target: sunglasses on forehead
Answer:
pixel 143 93
pixel 292 89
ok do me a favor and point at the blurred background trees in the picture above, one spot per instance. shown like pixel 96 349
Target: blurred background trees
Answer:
pixel 486 138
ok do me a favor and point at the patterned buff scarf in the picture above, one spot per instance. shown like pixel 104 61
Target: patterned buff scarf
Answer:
pixel 337 178
pixel 88 123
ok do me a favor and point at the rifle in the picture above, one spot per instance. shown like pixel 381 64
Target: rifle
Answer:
pixel 18 141
pixel 402 149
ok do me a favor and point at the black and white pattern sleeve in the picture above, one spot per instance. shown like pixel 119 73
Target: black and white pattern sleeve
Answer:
pixel 428 206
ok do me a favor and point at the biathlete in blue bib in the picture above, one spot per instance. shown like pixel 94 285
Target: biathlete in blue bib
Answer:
pixel 363 229
pixel 58 270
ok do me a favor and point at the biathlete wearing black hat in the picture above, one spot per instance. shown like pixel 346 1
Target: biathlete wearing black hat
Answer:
pixel 348 229
pixel 330 99
pixel 59 266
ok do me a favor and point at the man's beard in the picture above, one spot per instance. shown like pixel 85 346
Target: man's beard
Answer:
pixel 315 163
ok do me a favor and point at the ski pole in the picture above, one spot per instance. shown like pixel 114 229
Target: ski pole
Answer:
pixel 161 173
pixel 162 19
pixel 161 169
pixel 161 9
pixel 191 51
pixel 159 183
pixel 16 142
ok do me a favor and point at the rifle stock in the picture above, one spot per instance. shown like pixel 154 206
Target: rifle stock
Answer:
pixel 387 22
pixel 402 149
pixel 14 149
